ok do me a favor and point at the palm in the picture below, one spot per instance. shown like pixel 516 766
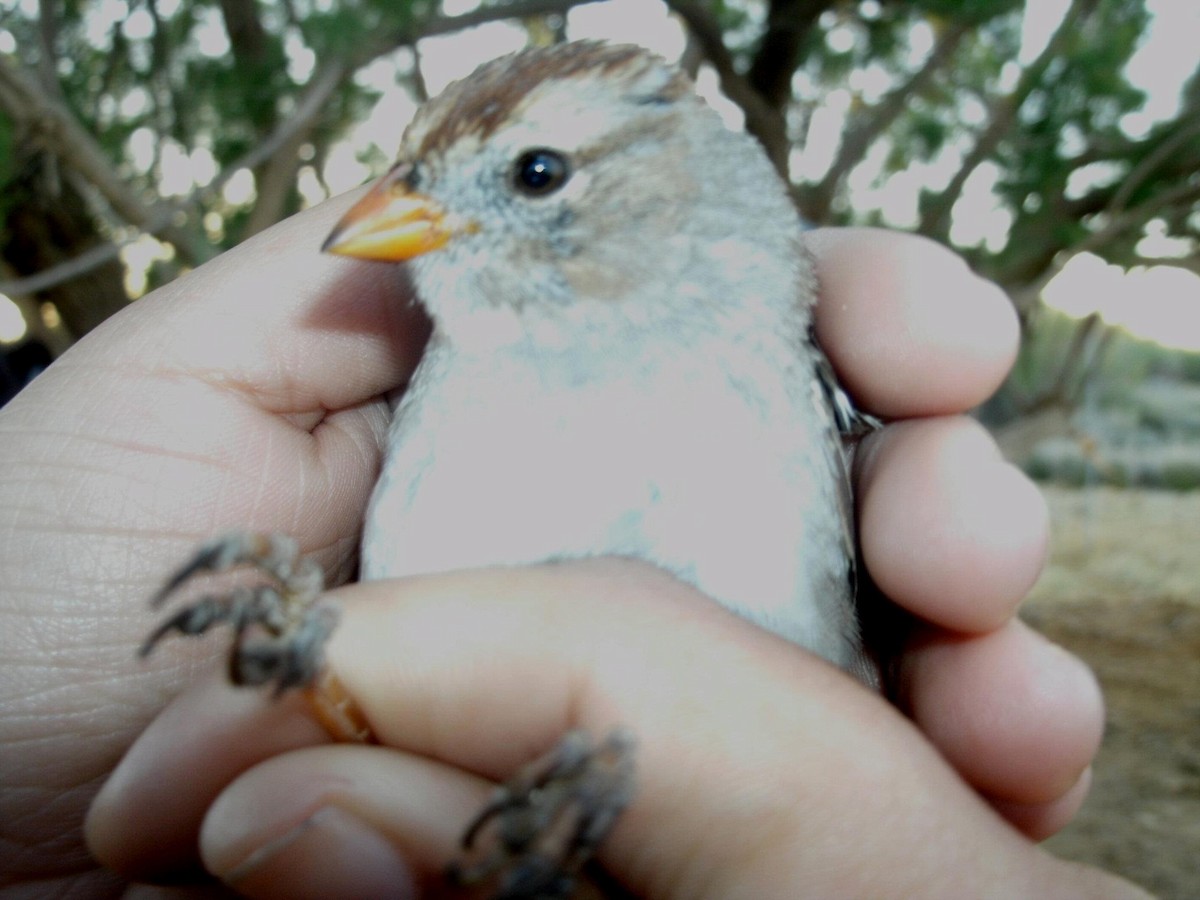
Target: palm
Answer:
pixel 200 426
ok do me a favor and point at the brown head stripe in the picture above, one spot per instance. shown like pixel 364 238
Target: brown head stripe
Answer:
pixel 481 102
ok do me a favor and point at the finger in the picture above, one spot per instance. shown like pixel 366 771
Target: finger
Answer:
pixel 1019 717
pixel 483 671
pixel 245 394
pixel 348 821
pixel 272 358
pixel 949 530
pixel 1040 821
pixel 345 821
pixel 163 892
pixel 909 328
pixel 748 747
pixel 490 658
pixel 203 740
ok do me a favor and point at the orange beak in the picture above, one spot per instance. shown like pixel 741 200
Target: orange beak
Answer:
pixel 392 223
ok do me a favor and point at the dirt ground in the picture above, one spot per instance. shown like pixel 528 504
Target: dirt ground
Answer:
pixel 1123 591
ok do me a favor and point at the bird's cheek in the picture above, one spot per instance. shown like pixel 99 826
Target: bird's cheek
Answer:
pixel 594 278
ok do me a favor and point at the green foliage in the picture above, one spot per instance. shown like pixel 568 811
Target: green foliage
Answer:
pixel 1041 352
pixel 1083 96
pixel 1126 363
pixel 1055 135
pixel 183 75
pixel 1134 358
pixel 336 32
pixel 1181 475
pixel 177 81
pixel 7 158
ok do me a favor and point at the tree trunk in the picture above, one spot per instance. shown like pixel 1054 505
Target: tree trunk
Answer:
pixel 49 223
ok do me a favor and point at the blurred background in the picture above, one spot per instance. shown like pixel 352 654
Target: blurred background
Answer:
pixel 1054 144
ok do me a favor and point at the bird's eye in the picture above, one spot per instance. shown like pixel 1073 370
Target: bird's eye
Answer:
pixel 540 172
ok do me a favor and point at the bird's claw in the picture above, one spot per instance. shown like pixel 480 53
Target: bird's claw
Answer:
pixel 280 628
pixel 539 829
pixel 544 824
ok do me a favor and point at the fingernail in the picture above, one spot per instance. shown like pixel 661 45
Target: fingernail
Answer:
pixel 330 854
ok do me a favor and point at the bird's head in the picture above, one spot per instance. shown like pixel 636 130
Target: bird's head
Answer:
pixel 582 175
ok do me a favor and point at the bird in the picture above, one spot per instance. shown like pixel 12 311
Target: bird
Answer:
pixel 621 362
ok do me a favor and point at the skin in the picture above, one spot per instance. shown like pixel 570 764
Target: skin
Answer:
pixel 153 433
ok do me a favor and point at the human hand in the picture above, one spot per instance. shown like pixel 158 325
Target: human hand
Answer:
pixel 156 431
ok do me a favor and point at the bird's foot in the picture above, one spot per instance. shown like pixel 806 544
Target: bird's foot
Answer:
pixel 539 829
pixel 546 822
pixel 280 628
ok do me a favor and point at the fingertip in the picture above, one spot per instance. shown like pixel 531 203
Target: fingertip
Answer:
pixel 1039 821
pixel 911 330
pixel 949 530
pixel 330 854
pixel 338 821
pixel 145 820
pixel 1018 716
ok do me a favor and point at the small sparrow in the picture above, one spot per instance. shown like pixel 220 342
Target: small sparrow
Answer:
pixel 620 360
pixel 621 363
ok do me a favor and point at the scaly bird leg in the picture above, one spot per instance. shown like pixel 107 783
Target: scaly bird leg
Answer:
pixel 280 628
pixel 546 822
pixel 540 828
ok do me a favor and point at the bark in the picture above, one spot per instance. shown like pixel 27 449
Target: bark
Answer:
pixel 247 37
pixel 48 224
pixel 274 175
pixel 437 24
pixel 48 219
pixel 275 185
pixel 1047 240
pixel 778 54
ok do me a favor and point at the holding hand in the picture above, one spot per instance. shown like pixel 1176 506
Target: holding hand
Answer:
pixel 156 432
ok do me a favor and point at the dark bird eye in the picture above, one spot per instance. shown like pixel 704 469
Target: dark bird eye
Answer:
pixel 540 172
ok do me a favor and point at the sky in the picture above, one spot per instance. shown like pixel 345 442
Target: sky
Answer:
pixel 1162 304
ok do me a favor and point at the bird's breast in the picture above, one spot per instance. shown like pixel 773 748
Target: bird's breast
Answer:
pixel 716 478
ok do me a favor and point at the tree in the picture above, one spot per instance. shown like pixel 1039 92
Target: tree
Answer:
pixel 920 82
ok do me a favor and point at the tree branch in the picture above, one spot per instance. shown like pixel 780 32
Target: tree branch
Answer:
pixel 312 101
pixel 85 262
pixel 1151 161
pixel 247 37
pixel 935 218
pixel 419 88
pixel 1187 263
pixel 59 133
pixel 766 124
pixel 276 159
pixel 435 25
pixel 1181 197
pixel 318 90
pixel 47 38
pixel 778 55
pixel 862 134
